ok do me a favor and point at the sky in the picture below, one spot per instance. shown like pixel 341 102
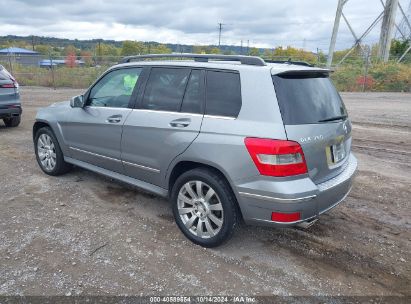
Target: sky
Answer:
pixel 264 23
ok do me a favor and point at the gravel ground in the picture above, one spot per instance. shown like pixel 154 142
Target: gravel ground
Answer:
pixel 85 234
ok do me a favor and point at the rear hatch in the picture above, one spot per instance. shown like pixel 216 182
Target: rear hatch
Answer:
pixel 8 88
pixel 314 115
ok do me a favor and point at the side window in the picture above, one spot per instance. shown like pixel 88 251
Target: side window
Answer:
pixel 223 94
pixel 194 95
pixel 115 88
pixel 165 89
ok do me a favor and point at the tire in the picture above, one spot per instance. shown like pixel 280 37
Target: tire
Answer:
pixel 218 211
pixel 12 121
pixel 51 158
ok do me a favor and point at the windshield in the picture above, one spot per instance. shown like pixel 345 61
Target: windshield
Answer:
pixel 308 99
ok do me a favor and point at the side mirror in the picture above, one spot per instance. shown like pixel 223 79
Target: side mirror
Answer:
pixel 77 101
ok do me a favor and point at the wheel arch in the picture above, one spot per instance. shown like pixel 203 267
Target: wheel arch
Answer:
pixel 183 166
pixel 38 124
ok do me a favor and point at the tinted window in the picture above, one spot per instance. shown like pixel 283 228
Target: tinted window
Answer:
pixel 223 94
pixel 115 88
pixel 194 95
pixel 165 89
pixel 307 99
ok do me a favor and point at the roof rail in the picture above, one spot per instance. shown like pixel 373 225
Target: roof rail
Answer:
pixel 289 61
pixel 248 60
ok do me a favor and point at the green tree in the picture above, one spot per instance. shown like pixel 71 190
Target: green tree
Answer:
pixel 43 49
pixel 133 48
pixel 160 49
pixel 398 47
pixel 69 50
pixel 254 52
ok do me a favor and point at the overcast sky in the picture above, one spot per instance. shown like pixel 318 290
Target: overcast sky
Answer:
pixel 265 23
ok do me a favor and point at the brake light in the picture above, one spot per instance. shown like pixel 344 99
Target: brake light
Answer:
pixel 276 157
pixel 8 86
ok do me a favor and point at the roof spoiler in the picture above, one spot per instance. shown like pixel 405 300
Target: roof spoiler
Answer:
pixel 248 60
pixel 308 73
pixel 289 61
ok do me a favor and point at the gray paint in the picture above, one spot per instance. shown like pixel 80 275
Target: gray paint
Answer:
pixel 143 148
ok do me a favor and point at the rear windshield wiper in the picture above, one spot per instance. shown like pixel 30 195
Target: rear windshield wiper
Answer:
pixel 341 117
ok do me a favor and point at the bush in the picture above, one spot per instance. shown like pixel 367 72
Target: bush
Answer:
pixel 382 77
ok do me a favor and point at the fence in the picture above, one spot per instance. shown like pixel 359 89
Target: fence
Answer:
pixel 356 73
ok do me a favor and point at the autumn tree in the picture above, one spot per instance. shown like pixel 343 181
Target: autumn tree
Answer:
pixel 70 49
pixel 70 60
pixel 87 57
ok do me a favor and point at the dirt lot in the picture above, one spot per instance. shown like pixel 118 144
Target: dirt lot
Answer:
pixel 84 234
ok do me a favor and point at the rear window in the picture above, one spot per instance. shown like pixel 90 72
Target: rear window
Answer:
pixel 307 98
pixel 223 94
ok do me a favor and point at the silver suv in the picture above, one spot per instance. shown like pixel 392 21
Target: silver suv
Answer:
pixel 225 138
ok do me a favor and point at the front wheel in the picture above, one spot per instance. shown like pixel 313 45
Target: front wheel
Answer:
pixel 48 153
pixel 204 207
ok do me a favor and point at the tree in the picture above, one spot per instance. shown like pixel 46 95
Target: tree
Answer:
pixel 254 52
pixel 160 49
pixel 204 49
pixel 43 49
pixel 69 49
pixel 87 57
pixel 133 48
pixel 70 60
pixel 398 47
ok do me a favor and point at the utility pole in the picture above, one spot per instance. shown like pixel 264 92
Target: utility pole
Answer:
pixel 241 49
pixel 220 28
pixel 99 52
pixel 318 56
pixel 387 29
pixel 32 41
pixel 335 32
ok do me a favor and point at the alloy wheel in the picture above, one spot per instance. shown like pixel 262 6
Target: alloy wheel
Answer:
pixel 46 152
pixel 200 209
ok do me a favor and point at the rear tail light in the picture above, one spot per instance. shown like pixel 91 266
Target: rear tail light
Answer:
pixel 8 86
pixel 276 157
pixel 13 85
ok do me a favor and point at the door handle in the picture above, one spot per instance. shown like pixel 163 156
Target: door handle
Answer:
pixel 180 123
pixel 114 118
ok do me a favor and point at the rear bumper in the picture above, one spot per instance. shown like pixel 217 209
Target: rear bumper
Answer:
pixel 7 111
pixel 258 199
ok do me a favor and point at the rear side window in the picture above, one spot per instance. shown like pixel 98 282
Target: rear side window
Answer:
pixel 194 95
pixel 165 89
pixel 223 93
pixel 307 98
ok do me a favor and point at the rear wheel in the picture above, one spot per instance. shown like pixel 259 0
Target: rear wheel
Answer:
pixel 12 121
pixel 204 207
pixel 48 153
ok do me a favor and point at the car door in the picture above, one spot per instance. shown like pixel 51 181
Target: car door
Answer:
pixel 165 122
pixel 94 131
